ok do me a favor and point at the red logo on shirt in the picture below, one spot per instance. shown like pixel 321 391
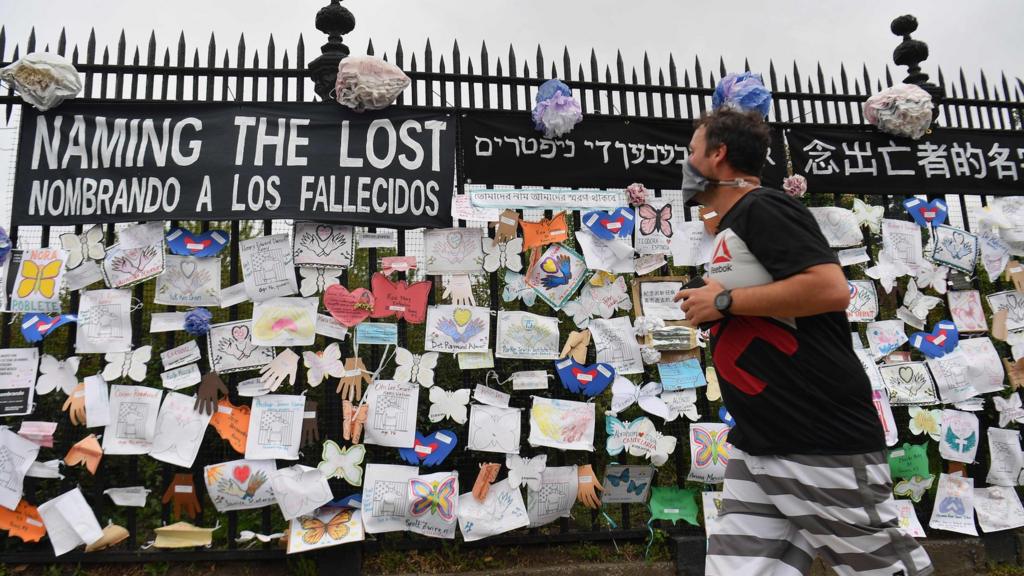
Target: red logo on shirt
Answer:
pixel 721 255
pixel 734 336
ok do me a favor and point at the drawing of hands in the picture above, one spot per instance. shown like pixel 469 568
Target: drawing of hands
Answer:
pixel 181 493
pixel 75 405
pixel 476 326
pixel 231 347
pixel 564 267
pixel 460 289
pixel 351 385
pixel 285 365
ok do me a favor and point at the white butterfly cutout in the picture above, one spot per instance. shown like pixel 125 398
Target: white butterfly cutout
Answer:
pixel 525 471
pixel 681 403
pixel 993 216
pixel 316 280
pixel 300 490
pixel 415 367
pixel 868 215
pixel 338 462
pixel 55 374
pixel 82 247
pixel 657 447
pixel 600 301
pixel 917 304
pixel 448 404
pixel 1009 409
pixel 914 488
pixel 127 364
pixel 517 289
pixel 625 393
pixel 932 276
pixel 887 270
pixel 323 364
pixel 503 255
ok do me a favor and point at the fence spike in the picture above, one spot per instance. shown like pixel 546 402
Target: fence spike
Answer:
pixel 698 75
pixel 888 76
pixel 456 61
pixel 721 67
pixel 566 64
pixel 540 63
pixel 300 59
pixel 746 65
pixel 31 46
pixel 369 47
pixel 3 43
pixel 821 79
pixel 62 43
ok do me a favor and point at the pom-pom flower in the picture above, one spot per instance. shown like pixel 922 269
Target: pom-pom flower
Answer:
pixel 900 110
pixel 368 83
pixel 5 245
pixel 637 194
pixel 795 186
pixel 556 112
pixel 197 321
pixel 743 92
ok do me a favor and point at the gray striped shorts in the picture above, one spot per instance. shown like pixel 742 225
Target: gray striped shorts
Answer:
pixel 779 512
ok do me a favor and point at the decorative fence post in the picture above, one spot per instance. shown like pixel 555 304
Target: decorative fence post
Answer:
pixel 334 20
pixel 911 53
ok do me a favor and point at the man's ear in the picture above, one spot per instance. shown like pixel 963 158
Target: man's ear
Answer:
pixel 718 156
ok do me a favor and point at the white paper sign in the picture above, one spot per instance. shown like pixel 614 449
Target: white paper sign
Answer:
pixel 240 484
pixel 656 300
pixel 322 245
pixel 70 522
pixel 181 355
pixel 494 429
pixel 16 456
pixel 133 413
pixel 18 368
pixel 275 427
pixel 525 335
pixel 38 281
pixel 691 244
pixel 998 508
pixel 555 496
pixel 954 505
pixel 457 329
pixel 104 322
pixel 233 295
pixel 179 430
pixel 380 238
pixel 189 281
pixel 391 420
pixel 386 497
pixel 616 344
pixel 1005 457
pixel 502 511
pixel 97 402
pixel 267 267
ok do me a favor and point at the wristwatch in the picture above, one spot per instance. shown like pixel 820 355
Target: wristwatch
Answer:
pixel 723 301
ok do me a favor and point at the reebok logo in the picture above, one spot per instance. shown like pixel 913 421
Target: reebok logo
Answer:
pixel 721 254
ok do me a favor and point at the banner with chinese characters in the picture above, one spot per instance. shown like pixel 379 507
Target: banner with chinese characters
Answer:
pixel 503 148
pixel 852 161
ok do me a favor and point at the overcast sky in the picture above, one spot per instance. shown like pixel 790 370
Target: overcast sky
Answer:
pixel 973 35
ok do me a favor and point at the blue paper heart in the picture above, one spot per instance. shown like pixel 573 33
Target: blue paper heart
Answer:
pixel 350 501
pixel 927 214
pixel 36 326
pixel 725 417
pixel 202 244
pixel 941 341
pixel 430 450
pixel 609 225
pixel 590 380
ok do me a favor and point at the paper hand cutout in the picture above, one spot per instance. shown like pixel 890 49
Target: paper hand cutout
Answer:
pixel 201 244
pixel 610 225
pixel 23 522
pixel 508 223
pixel 181 494
pixel 485 477
pixel 926 214
pixel 430 450
pixel 353 420
pixel 211 388
pixel 525 471
pixel 351 385
pixel 232 424
pixel 460 290
pixel 310 430
pixel 87 451
pixel 942 340
pixel 36 326
pixel 75 405
pixel 588 487
pixel 344 463
pixel 868 215
pixel 576 345
pixel 400 299
pixel 284 366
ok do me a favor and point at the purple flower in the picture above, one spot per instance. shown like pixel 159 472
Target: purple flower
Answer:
pixel 557 115
pixel 744 91
pixel 795 185
pixel 197 321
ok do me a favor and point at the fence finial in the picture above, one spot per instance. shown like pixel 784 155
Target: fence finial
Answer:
pixel 911 53
pixel 334 20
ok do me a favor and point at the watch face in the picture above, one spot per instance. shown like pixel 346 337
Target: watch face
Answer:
pixel 722 301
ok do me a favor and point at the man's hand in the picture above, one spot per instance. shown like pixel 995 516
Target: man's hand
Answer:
pixel 699 303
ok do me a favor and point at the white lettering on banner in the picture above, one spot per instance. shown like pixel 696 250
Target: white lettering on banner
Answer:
pixel 138 145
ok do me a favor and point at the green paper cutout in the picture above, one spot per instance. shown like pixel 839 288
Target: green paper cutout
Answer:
pixel 909 460
pixel 669 503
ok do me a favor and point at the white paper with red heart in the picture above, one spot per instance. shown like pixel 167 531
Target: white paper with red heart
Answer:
pixel 240 484
pixel 454 251
pixel 320 245
pixel 189 281
pixel 230 349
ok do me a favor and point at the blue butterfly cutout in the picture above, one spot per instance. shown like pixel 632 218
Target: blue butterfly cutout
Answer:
pixel 36 326
pixel 202 244
pixel 430 450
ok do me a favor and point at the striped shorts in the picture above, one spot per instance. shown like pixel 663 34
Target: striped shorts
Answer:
pixel 779 512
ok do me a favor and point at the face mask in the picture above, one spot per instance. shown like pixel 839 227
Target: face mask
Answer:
pixel 694 182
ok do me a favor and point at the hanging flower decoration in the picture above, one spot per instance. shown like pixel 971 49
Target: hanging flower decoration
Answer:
pixel 900 110
pixel 556 112
pixel 5 245
pixel 795 186
pixel 197 321
pixel 368 83
pixel 637 194
pixel 42 79
pixel 745 91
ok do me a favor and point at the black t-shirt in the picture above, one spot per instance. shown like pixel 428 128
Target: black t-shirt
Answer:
pixel 793 386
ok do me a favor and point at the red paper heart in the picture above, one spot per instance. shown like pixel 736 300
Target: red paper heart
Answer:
pixel 608 225
pixel 196 245
pixel 577 372
pixel 348 308
pixel 241 474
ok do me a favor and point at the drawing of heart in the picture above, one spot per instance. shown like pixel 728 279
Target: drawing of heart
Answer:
pixel 241 474
pixel 324 232
pixel 240 332
pixel 348 308
pixel 188 268
pixel 835 219
pixel 454 239
pixel 462 316
pixel 906 373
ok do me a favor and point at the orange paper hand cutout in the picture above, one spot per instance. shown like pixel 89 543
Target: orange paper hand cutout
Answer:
pixel 75 405
pixel 232 423
pixel 23 522
pixel 86 451
pixel 352 420
pixel 487 474
pixel 544 232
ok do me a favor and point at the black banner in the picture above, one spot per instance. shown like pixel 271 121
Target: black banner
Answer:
pixel 503 148
pixel 853 161
pixel 85 163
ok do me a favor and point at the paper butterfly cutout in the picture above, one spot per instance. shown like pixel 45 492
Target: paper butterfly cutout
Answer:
pixel 868 215
pixel 625 393
pixel 926 214
pixel 430 450
pixel 434 497
pixel 448 404
pixel 917 303
pixel 623 478
pixel 942 340
pixel 547 231
pixel 315 528
pixel 127 364
pixel 316 280
pixel 517 289
pixel 415 367
pixel 639 438
pixel 200 244
pixel 55 374
pixel 652 219
pixel 41 279
pixel 914 488
pixel 348 308
pixel 681 403
pixel 23 522
pixel 887 270
pixel 931 276
pixel 590 380
pixel 558 270
pixel 925 421
pixel 320 365
pixel 344 463
pixel 300 491
pixel 1009 409
pixel 601 301
pixel 525 471
pixel 400 299
pixel 82 247
pixel 711 448
pixel 503 254
pixel 37 326
pixel 610 225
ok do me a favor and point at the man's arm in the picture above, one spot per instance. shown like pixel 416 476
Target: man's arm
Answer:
pixel 816 290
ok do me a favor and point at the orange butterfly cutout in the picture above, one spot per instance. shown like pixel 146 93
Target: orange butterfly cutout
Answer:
pixel 23 522
pixel 547 231
pixel 315 528
pixel 232 424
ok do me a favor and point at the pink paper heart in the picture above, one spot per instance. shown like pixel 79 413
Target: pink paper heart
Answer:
pixel 348 308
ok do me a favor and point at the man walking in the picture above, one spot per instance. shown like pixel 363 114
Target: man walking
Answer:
pixel 808 475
